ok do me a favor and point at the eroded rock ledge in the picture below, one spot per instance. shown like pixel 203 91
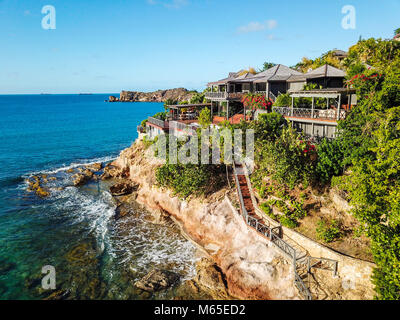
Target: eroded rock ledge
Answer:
pixel 252 268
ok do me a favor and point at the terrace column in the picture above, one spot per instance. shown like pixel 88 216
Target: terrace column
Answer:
pixel 227 110
pixel 291 109
pixel 338 109
pixel 312 107
pixel 350 97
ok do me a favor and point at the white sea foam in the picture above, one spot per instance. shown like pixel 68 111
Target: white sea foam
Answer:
pixel 95 210
pixel 132 243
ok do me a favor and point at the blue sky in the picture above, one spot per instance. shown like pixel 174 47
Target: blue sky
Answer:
pixel 108 46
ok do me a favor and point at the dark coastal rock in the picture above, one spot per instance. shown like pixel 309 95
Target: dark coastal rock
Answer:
pixel 81 179
pixel 112 99
pixel 122 210
pixel 157 280
pixel 110 172
pixel 210 279
pixel 122 189
pixel 35 185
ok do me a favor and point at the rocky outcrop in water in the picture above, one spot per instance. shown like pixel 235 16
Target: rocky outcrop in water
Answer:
pixel 85 174
pixel 95 167
pixel 81 179
pixel 157 280
pixel 179 94
pixel 35 184
pixel 122 189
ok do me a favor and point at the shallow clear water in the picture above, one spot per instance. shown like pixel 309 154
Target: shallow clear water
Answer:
pixel 95 256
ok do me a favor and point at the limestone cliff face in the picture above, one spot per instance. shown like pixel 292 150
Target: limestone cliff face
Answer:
pixel 252 267
pixel 179 94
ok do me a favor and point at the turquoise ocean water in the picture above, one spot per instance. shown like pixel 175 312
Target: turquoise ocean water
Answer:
pixel 74 230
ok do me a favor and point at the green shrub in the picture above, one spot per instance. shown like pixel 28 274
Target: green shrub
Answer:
pixel 288 222
pixel 263 192
pixel 143 123
pixel 184 180
pixel 268 127
pixel 267 210
pixel 205 118
pixel 147 142
pixel 161 116
pixel 330 160
pixel 328 231
pixel 288 159
pixel 283 100
pixel 298 210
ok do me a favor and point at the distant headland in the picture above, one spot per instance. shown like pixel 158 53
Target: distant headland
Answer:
pixel 177 94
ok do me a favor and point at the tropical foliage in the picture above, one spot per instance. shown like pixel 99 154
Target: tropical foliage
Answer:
pixel 250 70
pixel 255 101
pixel 205 118
pixel 328 231
pixel 198 98
pixel 330 160
pixel 161 116
pixel 267 65
pixel 329 58
pixel 370 139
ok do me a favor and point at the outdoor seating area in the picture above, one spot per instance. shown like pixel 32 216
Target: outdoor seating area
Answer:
pixel 186 112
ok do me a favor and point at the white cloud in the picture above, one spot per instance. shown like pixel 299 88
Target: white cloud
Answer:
pixel 258 26
pixel 175 4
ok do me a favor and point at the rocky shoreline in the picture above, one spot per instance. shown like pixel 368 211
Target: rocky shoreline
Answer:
pixel 244 266
pixel 209 282
pixel 234 261
pixel 178 95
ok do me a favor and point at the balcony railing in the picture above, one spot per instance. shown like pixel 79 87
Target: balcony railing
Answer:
pixel 190 116
pixel 158 122
pixel 224 95
pixel 216 95
pixel 329 114
pixel 261 92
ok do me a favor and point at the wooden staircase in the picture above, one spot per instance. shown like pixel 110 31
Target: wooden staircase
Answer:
pixel 302 263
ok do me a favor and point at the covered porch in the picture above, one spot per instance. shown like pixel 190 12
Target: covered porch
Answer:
pixel 338 103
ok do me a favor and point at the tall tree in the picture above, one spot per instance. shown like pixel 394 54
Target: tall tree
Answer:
pixel 267 65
